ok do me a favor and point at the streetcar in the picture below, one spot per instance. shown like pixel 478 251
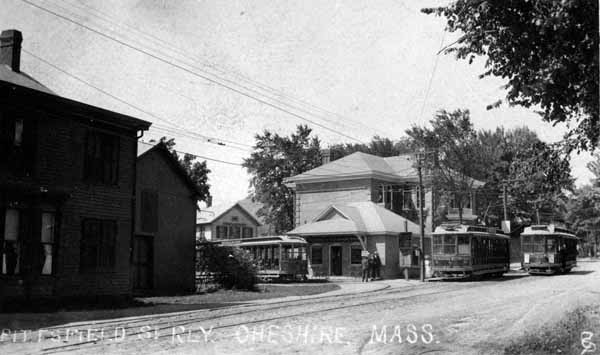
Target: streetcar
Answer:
pixel 276 257
pixel 462 251
pixel 548 249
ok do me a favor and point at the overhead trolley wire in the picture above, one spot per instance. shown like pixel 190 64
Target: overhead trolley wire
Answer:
pixel 163 60
pixel 169 130
pixel 107 17
pixel 196 155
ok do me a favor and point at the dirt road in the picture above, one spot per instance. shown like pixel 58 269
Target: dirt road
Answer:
pixel 445 318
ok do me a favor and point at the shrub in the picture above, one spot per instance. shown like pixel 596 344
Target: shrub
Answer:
pixel 232 267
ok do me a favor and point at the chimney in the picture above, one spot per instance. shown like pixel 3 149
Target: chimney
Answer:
pixel 10 49
pixel 325 156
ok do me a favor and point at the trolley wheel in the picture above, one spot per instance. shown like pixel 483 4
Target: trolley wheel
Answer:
pixel 567 270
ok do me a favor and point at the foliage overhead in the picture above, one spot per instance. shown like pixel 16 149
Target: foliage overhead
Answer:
pixel 196 170
pixel 546 50
pixel 383 147
pixel 449 154
pixel 275 158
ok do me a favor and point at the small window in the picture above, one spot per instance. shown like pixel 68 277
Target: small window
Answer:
pixel 101 158
pixel 47 242
pixel 235 218
pixel 316 255
pixel 355 254
pixel 11 254
pixel 221 232
pixel 235 232
pixel 18 133
pixel 248 232
pixel 463 244
pixel 98 245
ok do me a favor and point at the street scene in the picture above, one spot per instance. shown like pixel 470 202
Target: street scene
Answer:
pixel 347 177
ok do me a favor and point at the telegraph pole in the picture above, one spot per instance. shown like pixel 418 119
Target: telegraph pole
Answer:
pixel 421 222
pixel 504 201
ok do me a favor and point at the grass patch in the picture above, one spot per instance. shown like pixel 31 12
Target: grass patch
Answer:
pixel 263 291
pixel 564 337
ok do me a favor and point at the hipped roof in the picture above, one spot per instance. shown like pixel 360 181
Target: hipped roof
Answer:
pixel 362 218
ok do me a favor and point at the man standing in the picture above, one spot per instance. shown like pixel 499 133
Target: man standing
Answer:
pixel 376 265
pixel 365 269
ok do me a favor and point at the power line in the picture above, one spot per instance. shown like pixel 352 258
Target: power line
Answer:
pixel 196 155
pixel 143 51
pixel 106 16
pixel 435 64
pixel 188 133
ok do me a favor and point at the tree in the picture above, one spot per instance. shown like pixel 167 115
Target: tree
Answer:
pixel 196 170
pixel 451 137
pixel 539 177
pixel 380 146
pixel 547 51
pixel 275 158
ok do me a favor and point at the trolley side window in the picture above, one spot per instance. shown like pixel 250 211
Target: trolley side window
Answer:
pixel 551 244
pixel 463 244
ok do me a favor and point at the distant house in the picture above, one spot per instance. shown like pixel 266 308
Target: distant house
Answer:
pixel 67 189
pixel 361 203
pixel 231 222
pixel 164 240
pixel 264 229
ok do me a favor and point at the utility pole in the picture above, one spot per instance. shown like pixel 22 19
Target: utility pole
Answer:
pixel 504 201
pixel 421 222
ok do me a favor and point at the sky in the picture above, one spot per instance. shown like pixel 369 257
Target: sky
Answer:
pixel 208 71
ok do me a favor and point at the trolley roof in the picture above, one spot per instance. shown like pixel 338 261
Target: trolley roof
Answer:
pixel 461 228
pixel 548 229
pixel 269 240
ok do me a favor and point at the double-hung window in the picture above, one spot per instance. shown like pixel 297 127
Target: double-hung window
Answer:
pixel 101 163
pixel 47 235
pixel 11 243
pixel 98 245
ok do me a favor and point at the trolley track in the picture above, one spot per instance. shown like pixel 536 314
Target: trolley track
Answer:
pixel 87 345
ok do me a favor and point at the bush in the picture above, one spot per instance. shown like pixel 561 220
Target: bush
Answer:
pixel 232 267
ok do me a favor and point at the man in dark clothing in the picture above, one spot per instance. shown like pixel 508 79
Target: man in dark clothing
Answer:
pixel 376 266
pixel 365 269
pixel 371 267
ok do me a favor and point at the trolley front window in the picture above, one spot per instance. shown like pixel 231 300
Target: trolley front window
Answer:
pixel 445 244
pixel 534 243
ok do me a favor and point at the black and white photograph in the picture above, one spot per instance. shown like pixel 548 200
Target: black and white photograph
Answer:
pixel 299 177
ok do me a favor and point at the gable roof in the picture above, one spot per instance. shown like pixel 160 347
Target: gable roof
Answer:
pixel 163 151
pixel 218 213
pixel 363 218
pixel 22 79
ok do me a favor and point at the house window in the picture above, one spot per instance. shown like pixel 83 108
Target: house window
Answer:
pixel 149 210
pixel 98 244
pixel 248 232
pixel 407 203
pixel 101 158
pixel 18 133
pixel 235 218
pixel 47 241
pixel 221 232
pixel 11 243
pixel 235 232
pixel 355 254
pixel 316 255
